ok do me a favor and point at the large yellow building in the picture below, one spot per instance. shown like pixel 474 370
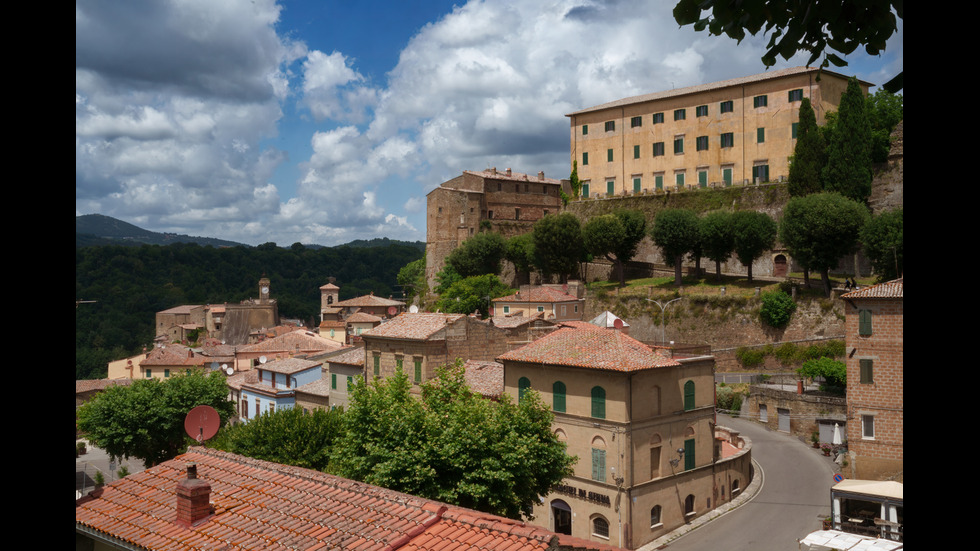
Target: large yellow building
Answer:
pixel 722 133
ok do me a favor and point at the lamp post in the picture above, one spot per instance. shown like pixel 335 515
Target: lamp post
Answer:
pixel 663 308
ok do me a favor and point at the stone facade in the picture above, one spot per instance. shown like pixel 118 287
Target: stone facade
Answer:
pixel 723 132
pixel 875 381
pixel 798 414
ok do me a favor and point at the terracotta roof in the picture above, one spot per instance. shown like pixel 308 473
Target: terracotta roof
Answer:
pixel 288 366
pixel 590 348
pixel 173 354
pixel 368 300
pixel 88 385
pixel 327 324
pixel 768 75
pixel 240 378
pixel 888 289
pixel 182 309
pixel 354 356
pixel 263 505
pixel 294 340
pixel 484 378
pixel 319 387
pixel 538 294
pixel 515 320
pixel 410 326
pixel 329 286
pixel 514 176
pixel 363 317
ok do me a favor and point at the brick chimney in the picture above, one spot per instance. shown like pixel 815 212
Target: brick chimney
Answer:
pixel 193 499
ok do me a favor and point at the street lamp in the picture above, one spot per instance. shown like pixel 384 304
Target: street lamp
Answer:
pixel 663 307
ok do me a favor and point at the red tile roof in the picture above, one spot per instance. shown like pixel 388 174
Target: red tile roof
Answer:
pixel 88 385
pixel 888 289
pixel 410 326
pixel 368 300
pixel 263 505
pixel 297 339
pixel 354 357
pixel 484 378
pixel 173 354
pixel 538 294
pixel 289 366
pixel 590 348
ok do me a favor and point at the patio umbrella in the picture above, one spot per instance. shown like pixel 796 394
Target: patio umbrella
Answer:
pixel 837 438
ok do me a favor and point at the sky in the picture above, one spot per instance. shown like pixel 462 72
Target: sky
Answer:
pixel 323 121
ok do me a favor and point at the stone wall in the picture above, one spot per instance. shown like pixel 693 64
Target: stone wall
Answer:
pixel 805 410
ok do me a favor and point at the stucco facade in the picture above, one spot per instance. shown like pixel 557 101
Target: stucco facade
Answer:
pixel 717 133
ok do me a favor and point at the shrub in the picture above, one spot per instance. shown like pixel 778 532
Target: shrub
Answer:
pixel 749 357
pixel 777 308
pixel 834 372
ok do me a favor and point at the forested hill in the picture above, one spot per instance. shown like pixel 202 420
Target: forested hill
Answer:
pixel 130 284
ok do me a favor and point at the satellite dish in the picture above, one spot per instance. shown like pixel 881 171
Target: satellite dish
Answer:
pixel 413 309
pixel 263 359
pixel 618 323
pixel 229 370
pixel 392 310
pixel 214 366
pixel 202 423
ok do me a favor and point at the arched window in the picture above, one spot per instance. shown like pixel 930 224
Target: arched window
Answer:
pixel 558 394
pixel 734 487
pixel 598 459
pixel 655 516
pixel 600 527
pixel 598 402
pixel 688 395
pixel 689 504
pixel 522 385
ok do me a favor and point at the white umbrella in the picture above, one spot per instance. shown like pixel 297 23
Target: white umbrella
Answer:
pixel 837 438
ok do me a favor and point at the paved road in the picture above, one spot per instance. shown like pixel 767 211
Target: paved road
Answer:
pixel 93 460
pixel 793 500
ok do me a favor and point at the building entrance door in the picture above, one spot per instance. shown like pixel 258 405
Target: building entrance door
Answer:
pixel 562 514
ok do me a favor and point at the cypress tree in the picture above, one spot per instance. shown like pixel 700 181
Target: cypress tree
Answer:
pixel 809 155
pixel 848 169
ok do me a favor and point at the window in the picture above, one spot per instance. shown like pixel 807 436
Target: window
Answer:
pixel 689 462
pixel 585 130
pixel 517 214
pixel 680 114
pixel 727 140
pixel 868 427
pixel 585 189
pixel 703 177
pixel 727 106
pixel 726 175
pixel 702 143
pixel 689 396
pixel 506 309
pixel 658 149
pixel 864 323
pixel 658 180
pixel 610 187
pixel 418 371
pixel 598 464
pixel 610 126
pixel 636 121
pixel 598 402
pixel 658 118
pixel 149 373
pixel 701 110
pixel 760 101
pixel 377 365
pixel 600 528
pixel 636 152
pixel 679 179
pixel 166 372
pixel 636 185
pixel 867 371
pixel 258 409
pixel 796 128
pixel 350 383
pixel 540 308
pixel 609 155
pixel 585 158
pixel 796 95
pixel 679 145
pixel 333 381
pixel 760 173
pixel 655 461
pixel 760 135
pixel 558 396
pixel 245 408
pixel 655 516
pixel 522 385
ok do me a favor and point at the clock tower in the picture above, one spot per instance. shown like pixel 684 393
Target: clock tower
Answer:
pixel 264 290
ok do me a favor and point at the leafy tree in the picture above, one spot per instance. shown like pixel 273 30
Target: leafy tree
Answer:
pixel 412 279
pixel 883 242
pixel 753 233
pixel 885 110
pixel 808 156
pixel 146 420
pixel 717 239
pixel 446 278
pixel 478 255
pixel 615 236
pixel 849 169
pixel 520 252
pixel 676 232
pixel 471 294
pixel 813 26
pixel 290 436
pixel 820 229
pixel 452 445
pixel 558 245
pixel 834 372
pixel 777 309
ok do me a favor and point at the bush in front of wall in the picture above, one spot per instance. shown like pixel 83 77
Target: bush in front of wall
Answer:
pixel 777 308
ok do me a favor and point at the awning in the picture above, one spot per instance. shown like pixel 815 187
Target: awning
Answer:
pixel 823 540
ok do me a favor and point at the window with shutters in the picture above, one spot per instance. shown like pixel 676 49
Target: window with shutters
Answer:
pixel 688 395
pixel 418 371
pixel 658 149
pixel 522 385
pixel 598 402
pixel 727 106
pixel 702 143
pixel 377 365
pixel 680 114
pixel 610 126
pixel 679 145
pixel 701 111
pixel 727 140
pixel 760 101
pixel 864 323
pixel 760 135
pixel 636 152
pixel 558 396
pixel 636 121
pixel 598 465
pixel 585 130
pixel 689 462
pixel 585 158
pixel 609 155
pixel 796 95
pixel 658 118
pixel 867 371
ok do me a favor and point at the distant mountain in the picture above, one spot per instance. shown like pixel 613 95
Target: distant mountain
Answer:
pixel 92 230
pixel 98 229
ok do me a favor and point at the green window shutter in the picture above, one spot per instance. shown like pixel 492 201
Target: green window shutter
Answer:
pixel 864 323
pixel 658 118
pixel 610 187
pixel 585 193
pixel 636 152
pixel 636 185
pixel 522 385
pixel 350 382
pixel 760 135
pixel 796 128
pixel 703 178
pixel 867 371
pixel 679 179
pixel 659 181
pixel 418 371
pixel 689 460
pixel 399 363
pixel 598 465
pixel 609 155
pixel 585 158
pixel 689 396
pixel 333 381
pixel 558 394
pixel 678 146
pixel 598 402
pixel 726 175
pixel 377 366
pixel 585 130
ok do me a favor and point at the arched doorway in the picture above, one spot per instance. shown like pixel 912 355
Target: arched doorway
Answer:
pixel 562 513
pixel 779 266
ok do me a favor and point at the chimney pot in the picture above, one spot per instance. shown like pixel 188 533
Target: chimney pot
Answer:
pixel 193 499
pixel 508 172
pixel 541 175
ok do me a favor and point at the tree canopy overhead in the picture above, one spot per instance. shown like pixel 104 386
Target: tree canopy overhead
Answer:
pixel 820 27
pixel 754 233
pixel 558 245
pixel 676 232
pixel 883 239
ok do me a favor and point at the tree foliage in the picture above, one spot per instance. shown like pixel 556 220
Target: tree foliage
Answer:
pixel 558 245
pixel 452 445
pixel 809 155
pixel 834 372
pixel 615 236
pixel 472 294
pixel 676 233
pixel 717 239
pixel 146 420
pixel 480 254
pixel 753 233
pixel 820 27
pixel 883 241
pixel 290 436
pixel 820 229
pixel 849 168
pixel 412 279
pixel 777 309
pixel 520 252
pixel 885 110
